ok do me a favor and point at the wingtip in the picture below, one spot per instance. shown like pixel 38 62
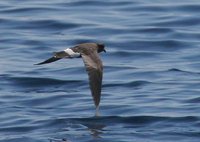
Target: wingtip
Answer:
pixel 97 114
pixel 50 60
pixel 40 63
pixel 37 64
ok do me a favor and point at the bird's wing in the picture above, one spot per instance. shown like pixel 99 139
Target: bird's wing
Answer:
pixel 52 59
pixel 94 68
pixel 57 56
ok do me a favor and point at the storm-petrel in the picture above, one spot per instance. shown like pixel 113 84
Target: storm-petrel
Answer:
pixel 93 64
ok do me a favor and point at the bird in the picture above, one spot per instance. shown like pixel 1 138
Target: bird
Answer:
pixel 93 64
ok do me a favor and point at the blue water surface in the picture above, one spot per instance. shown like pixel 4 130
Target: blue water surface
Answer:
pixel 151 84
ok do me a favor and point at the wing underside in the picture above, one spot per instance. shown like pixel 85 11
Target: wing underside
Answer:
pixel 57 56
pixel 94 68
pixel 52 59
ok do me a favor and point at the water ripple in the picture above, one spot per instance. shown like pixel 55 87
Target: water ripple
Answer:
pixel 150 88
pixel 39 82
pixel 136 120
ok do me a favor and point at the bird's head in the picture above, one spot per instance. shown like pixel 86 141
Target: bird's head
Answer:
pixel 101 47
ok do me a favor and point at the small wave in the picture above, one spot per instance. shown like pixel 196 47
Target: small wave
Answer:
pixel 182 71
pixel 28 9
pixel 135 54
pixel 123 53
pixel 128 84
pixel 187 8
pixel 141 7
pixel 17 128
pixel 50 24
pixel 168 43
pixel 180 22
pixel 38 82
pixel 174 69
pixel 155 30
pixel 153 45
pixel 116 67
pixel 19 138
pixel 98 3
pixel 194 100
pixel 118 119
pixel 134 119
pixel 38 24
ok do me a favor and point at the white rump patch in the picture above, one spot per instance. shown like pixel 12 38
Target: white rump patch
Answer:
pixel 71 53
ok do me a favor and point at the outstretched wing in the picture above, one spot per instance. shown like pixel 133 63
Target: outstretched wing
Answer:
pixel 94 68
pixel 57 56
pixel 52 59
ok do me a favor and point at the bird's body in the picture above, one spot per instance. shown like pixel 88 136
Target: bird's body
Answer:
pixel 93 64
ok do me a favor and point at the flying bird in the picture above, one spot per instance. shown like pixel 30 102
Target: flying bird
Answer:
pixel 93 64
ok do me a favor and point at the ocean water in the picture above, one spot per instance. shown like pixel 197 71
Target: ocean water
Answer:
pixel 151 84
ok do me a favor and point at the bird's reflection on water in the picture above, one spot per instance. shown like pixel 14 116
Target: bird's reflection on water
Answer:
pixel 96 129
pixel 92 126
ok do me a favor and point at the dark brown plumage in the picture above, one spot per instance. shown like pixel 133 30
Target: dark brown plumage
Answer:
pixel 93 64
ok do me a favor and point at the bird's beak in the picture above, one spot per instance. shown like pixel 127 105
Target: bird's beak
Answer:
pixel 104 50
